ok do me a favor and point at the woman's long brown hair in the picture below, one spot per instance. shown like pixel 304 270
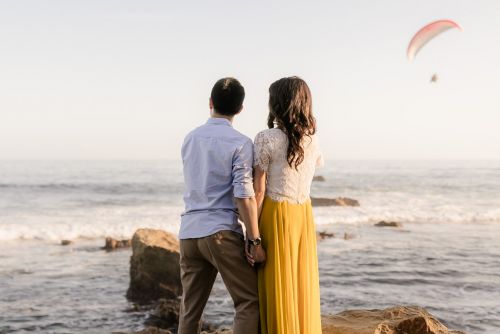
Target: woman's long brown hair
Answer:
pixel 290 108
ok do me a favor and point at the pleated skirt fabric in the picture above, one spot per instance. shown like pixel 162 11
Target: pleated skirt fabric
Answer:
pixel 289 280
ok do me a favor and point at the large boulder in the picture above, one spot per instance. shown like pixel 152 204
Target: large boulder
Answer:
pixel 154 266
pixel 393 320
pixel 339 201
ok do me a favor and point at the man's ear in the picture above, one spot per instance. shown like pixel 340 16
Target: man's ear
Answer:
pixel 210 103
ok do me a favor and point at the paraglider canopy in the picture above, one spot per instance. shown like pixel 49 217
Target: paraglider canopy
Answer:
pixel 427 33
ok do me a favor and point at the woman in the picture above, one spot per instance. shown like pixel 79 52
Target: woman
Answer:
pixel 285 158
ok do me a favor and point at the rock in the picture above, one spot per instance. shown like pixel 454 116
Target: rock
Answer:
pixel 393 320
pixel 114 244
pixel 207 328
pixel 154 330
pixel 154 266
pixel 147 330
pixel 339 201
pixel 165 314
pixel 319 178
pixel 66 242
pixel 388 224
pixel 348 236
pixel 325 235
pixel 168 311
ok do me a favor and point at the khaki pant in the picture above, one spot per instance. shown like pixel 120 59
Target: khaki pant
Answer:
pixel 201 259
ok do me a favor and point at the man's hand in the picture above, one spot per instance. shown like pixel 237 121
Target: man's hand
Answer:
pixel 255 254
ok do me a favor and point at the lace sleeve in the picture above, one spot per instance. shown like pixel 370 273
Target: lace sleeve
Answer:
pixel 262 152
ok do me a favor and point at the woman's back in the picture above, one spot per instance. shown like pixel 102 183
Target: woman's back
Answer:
pixel 285 183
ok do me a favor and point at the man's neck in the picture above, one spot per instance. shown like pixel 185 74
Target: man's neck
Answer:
pixel 215 114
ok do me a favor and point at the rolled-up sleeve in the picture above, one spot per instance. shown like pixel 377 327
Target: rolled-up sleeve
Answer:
pixel 242 171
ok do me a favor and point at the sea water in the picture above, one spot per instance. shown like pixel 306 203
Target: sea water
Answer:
pixel 446 257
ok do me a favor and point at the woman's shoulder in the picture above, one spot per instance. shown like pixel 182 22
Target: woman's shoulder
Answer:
pixel 268 135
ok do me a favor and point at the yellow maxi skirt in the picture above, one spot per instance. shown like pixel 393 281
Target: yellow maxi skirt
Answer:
pixel 289 280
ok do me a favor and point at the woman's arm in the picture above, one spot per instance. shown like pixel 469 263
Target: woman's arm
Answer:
pixel 259 186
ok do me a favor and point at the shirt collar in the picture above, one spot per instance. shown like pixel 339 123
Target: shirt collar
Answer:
pixel 219 121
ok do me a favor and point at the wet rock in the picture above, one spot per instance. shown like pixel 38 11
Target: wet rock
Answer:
pixel 339 201
pixel 165 314
pixel 393 320
pixel 325 235
pixel 114 244
pixel 319 178
pixel 348 236
pixel 154 266
pixel 388 224
pixel 153 330
pixel 207 328
pixel 66 242
pixel 147 330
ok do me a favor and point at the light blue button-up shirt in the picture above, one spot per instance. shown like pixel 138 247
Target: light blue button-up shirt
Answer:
pixel 217 162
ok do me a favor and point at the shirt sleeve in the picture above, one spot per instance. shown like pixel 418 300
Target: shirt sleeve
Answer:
pixel 242 172
pixel 262 153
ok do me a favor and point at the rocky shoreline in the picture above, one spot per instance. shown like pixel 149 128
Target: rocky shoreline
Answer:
pixel 154 281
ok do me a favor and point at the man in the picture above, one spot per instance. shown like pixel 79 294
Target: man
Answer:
pixel 218 178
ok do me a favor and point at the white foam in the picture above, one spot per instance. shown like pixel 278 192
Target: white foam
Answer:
pixel 116 223
pixel 415 214
pixel 123 222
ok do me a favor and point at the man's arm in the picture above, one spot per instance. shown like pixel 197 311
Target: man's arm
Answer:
pixel 247 208
pixel 245 198
pixel 243 188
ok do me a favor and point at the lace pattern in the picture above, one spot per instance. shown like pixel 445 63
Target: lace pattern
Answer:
pixel 283 182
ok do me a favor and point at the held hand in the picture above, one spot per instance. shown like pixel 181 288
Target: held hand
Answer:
pixel 248 254
pixel 258 254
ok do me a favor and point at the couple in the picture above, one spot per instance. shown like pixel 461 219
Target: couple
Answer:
pixel 272 277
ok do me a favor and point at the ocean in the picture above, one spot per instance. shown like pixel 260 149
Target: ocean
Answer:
pixel 446 257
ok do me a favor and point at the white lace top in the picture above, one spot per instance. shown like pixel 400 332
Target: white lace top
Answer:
pixel 285 183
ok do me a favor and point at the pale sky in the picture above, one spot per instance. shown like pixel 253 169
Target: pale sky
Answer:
pixel 102 79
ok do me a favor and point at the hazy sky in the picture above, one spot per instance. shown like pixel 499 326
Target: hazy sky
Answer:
pixel 102 79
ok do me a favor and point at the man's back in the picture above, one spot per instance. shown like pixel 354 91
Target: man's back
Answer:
pixel 217 165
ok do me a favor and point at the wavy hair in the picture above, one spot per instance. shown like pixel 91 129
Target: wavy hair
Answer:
pixel 290 109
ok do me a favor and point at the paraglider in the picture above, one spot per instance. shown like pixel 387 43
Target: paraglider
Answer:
pixel 427 33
